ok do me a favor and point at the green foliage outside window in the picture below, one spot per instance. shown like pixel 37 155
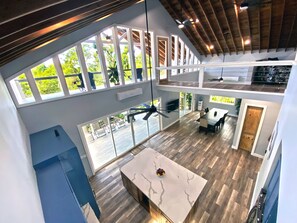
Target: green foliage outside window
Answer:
pixel 222 100
pixel 25 86
pixel 46 86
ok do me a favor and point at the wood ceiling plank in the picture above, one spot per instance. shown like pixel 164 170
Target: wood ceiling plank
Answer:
pixel 219 25
pixel 210 26
pixel 228 24
pixel 269 27
pixel 172 12
pixel 196 28
pixel 281 23
pixel 291 31
pixel 238 26
pixel 250 32
pixel 259 28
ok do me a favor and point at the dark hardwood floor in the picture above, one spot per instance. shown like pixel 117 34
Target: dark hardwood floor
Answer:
pixel 230 174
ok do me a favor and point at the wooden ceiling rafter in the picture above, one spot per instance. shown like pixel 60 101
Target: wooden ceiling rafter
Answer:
pixel 249 30
pixel 259 28
pixel 281 24
pixel 229 28
pixel 210 26
pixel 189 34
pixel 220 27
pixel 238 26
pixel 291 31
pixel 269 27
pixel 196 30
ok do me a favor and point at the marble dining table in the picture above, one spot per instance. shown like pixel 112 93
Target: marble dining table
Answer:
pixel 169 198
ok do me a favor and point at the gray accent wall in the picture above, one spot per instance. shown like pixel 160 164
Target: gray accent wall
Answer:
pixel 72 111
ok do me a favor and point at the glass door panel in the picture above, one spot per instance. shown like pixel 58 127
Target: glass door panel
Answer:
pixel 122 135
pixel 140 128
pixel 99 141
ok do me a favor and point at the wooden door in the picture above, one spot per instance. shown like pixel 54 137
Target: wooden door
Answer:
pixel 250 127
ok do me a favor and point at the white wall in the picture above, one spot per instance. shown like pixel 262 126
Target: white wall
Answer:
pixel 159 21
pixel 19 196
pixel 272 111
pixel 287 208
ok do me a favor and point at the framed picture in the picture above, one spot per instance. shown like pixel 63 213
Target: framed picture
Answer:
pixel 272 140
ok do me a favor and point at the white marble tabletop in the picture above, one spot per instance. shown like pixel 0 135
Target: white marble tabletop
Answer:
pixel 174 193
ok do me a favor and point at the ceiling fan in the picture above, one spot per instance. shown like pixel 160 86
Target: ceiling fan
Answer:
pixel 220 79
pixel 186 22
pixel 149 110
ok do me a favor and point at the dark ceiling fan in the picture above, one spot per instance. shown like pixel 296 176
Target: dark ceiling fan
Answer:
pixel 149 110
pixel 220 79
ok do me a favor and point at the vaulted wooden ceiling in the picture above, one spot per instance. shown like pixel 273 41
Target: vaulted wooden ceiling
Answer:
pixel 223 28
pixel 269 24
pixel 25 25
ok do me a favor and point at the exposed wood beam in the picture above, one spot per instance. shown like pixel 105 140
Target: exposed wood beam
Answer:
pixel 216 18
pixel 269 24
pixel 250 32
pixel 228 24
pixel 238 26
pixel 281 24
pixel 291 31
pixel 189 34
pixel 195 29
pixel 211 29
pixel 259 27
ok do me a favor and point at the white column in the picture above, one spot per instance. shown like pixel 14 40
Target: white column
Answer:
pixel 143 55
pixel 131 54
pixel 155 73
pixel 102 60
pixel 182 54
pixel 187 57
pixel 60 74
pixel 175 53
pixel 201 76
pixel 84 69
pixel 33 86
pixel 118 54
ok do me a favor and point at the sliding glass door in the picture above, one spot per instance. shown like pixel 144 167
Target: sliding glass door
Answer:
pixel 109 137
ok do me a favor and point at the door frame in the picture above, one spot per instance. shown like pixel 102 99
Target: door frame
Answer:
pixel 258 130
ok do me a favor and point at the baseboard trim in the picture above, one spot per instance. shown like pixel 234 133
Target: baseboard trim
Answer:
pixel 233 147
pixel 257 155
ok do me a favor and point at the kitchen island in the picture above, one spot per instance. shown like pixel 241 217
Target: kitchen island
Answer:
pixel 172 197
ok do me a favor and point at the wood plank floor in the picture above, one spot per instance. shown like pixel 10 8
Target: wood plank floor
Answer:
pixel 230 174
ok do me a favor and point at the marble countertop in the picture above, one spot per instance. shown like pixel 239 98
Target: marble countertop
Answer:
pixel 174 193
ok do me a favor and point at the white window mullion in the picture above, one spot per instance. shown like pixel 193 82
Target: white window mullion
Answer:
pixel 112 137
pixel 176 53
pixel 132 55
pixel 154 52
pixel 143 54
pixel 182 54
pixel 191 60
pixel 118 54
pixel 33 86
pixel 102 60
pixel 169 56
pixel 82 62
pixel 61 75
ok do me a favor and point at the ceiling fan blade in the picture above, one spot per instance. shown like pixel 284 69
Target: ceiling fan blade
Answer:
pixel 139 109
pixel 177 21
pixel 135 113
pixel 147 115
pixel 162 114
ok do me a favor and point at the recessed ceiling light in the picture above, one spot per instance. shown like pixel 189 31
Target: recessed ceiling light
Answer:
pixel 211 47
pixel 247 42
pixel 197 20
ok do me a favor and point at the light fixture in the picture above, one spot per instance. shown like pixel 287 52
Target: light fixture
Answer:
pixel 247 42
pixel 244 5
pixel 211 47
pixel 197 20
pixel 181 26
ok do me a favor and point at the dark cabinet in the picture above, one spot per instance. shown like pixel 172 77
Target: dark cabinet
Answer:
pixel 62 182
